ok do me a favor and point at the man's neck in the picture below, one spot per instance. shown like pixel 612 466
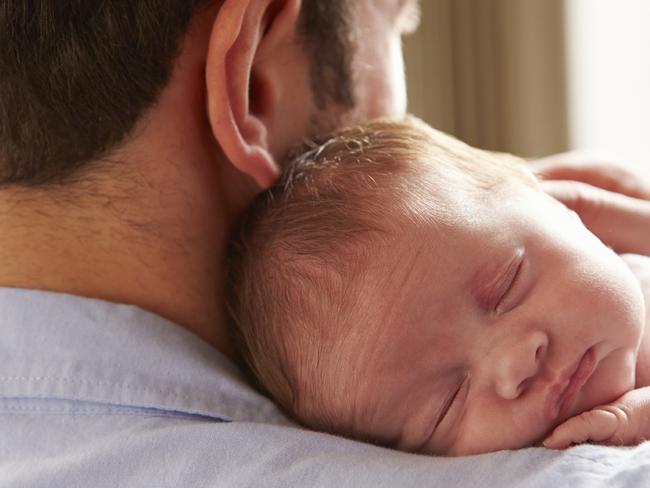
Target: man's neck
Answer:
pixel 150 246
pixel 153 236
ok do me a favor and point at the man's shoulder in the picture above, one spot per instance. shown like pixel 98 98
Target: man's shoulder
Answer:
pixel 101 394
pixel 65 347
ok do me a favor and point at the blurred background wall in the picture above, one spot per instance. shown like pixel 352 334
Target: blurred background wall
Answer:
pixel 535 77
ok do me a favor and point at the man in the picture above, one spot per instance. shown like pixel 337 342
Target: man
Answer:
pixel 132 135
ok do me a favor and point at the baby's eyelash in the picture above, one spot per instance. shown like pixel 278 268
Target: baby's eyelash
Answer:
pixel 451 401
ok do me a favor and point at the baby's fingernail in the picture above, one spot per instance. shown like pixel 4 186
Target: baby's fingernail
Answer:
pixel 550 443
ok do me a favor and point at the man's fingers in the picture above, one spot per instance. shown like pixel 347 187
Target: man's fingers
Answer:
pixel 594 425
pixel 619 221
pixel 586 200
pixel 594 170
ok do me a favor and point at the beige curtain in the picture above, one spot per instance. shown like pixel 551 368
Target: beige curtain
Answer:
pixel 492 72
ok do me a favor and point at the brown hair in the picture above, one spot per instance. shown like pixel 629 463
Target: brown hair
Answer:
pixel 77 75
pixel 300 258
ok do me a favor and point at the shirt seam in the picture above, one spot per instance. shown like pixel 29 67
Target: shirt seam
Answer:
pixel 113 384
pixel 189 400
pixel 99 412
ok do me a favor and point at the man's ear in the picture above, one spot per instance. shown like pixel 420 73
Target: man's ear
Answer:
pixel 238 96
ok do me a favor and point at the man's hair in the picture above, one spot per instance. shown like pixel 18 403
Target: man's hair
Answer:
pixel 77 75
pixel 301 259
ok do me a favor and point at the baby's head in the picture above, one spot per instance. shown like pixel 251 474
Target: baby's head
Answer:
pixel 400 287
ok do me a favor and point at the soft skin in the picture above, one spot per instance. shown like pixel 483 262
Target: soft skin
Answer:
pixel 522 292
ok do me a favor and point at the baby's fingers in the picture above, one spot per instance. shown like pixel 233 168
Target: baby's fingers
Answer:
pixel 593 425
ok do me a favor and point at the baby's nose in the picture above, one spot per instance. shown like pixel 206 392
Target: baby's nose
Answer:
pixel 519 363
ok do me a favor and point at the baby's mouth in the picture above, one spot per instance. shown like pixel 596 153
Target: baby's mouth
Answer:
pixel 565 389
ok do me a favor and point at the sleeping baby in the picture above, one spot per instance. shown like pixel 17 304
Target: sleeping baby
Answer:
pixel 402 288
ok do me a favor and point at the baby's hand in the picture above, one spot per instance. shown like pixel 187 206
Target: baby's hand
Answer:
pixel 621 423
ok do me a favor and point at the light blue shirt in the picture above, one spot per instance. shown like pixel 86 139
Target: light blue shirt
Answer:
pixel 96 394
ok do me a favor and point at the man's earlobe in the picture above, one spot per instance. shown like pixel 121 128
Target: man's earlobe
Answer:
pixel 238 95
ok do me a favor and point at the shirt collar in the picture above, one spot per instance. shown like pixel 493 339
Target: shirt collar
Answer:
pixel 55 345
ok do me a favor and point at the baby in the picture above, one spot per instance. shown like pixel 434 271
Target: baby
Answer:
pixel 402 288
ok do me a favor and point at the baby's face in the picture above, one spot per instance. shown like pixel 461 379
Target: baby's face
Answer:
pixel 494 327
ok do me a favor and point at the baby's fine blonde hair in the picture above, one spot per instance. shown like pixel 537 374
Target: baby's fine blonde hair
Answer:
pixel 301 251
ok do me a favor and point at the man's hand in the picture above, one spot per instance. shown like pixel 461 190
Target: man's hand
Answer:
pixel 624 422
pixel 611 199
pixel 595 170
pixel 621 222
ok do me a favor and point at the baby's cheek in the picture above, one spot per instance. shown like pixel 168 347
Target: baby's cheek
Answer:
pixel 628 301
